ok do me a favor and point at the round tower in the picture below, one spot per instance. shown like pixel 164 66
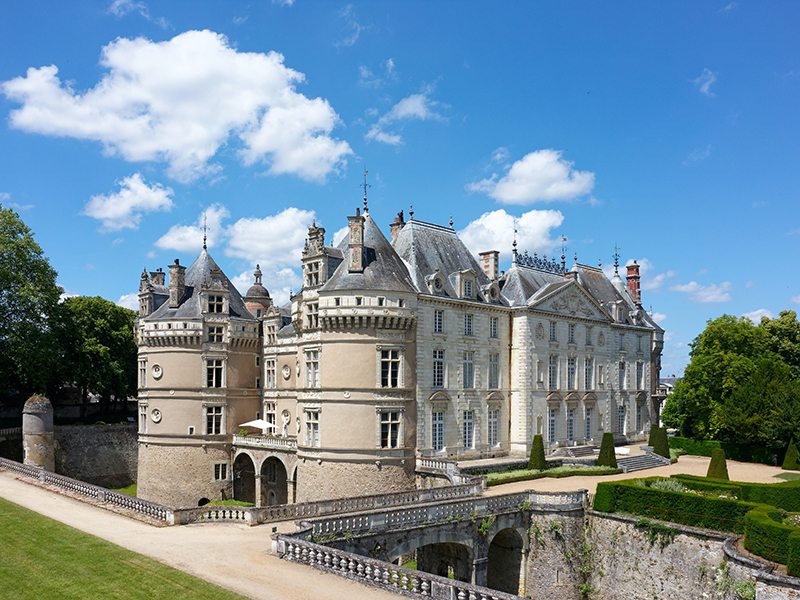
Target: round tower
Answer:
pixel 38 447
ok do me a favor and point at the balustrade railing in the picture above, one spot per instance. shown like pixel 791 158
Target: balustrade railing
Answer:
pixel 265 441
pixel 380 574
pixel 11 431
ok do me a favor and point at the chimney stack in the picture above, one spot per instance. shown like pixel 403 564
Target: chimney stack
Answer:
pixel 157 277
pixel 356 243
pixel 177 283
pixel 632 279
pixel 490 261
pixel 398 224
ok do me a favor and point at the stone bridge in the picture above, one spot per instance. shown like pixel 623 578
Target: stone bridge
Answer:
pixel 484 541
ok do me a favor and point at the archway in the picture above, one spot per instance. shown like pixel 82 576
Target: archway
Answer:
pixel 274 484
pixel 244 479
pixel 504 567
pixel 446 560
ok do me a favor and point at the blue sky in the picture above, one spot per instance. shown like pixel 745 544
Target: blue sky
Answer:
pixel 670 129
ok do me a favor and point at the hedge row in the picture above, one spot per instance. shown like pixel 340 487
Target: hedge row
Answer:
pixel 766 536
pixel 709 512
pixel 557 472
pixel 753 454
pixel 784 495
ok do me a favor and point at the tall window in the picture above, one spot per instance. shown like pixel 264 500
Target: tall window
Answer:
pixel 493 327
pixel 213 420
pixel 390 429
pixel 270 368
pixel 312 315
pixel 638 343
pixel 312 368
pixel 638 417
pixel 622 375
pixel 570 373
pixel 553 374
pixel 143 418
pixel 553 337
pixel 494 371
pixel 390 368
pixel 269 416
pixel 622 341
pixel 587 374
pixel 469 370
pixel 551 425
pixel 639 375
pixel 215 334
pixel 588 336
pixel 469 430
pixel 587 423
pixel 571 334
pixel 492 434
pixel 312 428
pixel 142 373
pixel 621 419
pixel 468 289
pixel 570 424
pixel 214 372
pixel 438 321
pixel 437 430
pixel 215 304
pixel 272 336
pixel 438 368
pixel 312 278
pixel 600 375
pixel 221 471
pixel 467 324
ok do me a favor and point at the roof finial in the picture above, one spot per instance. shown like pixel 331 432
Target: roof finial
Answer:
pixel 365 185
pixel 257 274
pixel 563 252
pixel 451 221
pixel 410 212
pixel 205 230
pixel 616 259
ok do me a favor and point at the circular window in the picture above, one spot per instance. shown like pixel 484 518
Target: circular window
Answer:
pixel 287 372
pixel 155 414
pixel 493 293
pixel 437 283
pixel 157 371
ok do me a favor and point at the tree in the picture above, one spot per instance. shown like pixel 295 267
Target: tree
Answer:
pixel 28 300
pixel 100 353
pixel 536 460
pixel 718 467
pixel 607 457
pixel 782 336
pixel 792 460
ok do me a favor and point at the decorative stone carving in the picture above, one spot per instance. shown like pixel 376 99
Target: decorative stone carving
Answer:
pixel 540 332
pixel 157 371
pixel 287 371
pixel 601 340
pixel 155 414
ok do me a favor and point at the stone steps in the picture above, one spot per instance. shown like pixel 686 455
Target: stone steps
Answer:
pixel 640 462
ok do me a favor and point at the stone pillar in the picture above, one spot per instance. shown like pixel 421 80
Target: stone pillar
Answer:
pixel 479 569
pixel 38 445
pixel 258 501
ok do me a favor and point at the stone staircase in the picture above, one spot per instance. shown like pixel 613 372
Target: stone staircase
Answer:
pixel 648 460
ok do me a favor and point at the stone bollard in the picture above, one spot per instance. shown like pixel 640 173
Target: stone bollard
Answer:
pixel 38 445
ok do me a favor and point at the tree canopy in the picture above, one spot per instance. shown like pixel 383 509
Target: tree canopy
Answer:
pixel 742 384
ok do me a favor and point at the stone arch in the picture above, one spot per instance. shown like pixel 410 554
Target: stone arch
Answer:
pixel 432 536
pixel 495 397
pixel 505 565
pixel 244 478
pixel 440 396
pixel 274 482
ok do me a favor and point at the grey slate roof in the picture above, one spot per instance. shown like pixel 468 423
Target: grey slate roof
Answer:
pixel 190 307
pixel 603 290
pixel 520 283
pixel 425 247
pixel 383 268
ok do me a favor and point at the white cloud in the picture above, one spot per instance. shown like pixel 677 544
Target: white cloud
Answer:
pixel 659 317
pixel 668 335
pixel 125 209
pixel 283 2
pixel 750 284
pixel 240 20
pixel 129 301
pixel 698 155
pixel 728 7
pixel 495 231
pixel 539 176
pixel 279 282
pixel 500 155
pixel 179 101
pixel 339 235
pixel 120 8
pixel 189 238
pixel 367 79
pixel 796 299
pixel 755 316
pixel 276 240
pixel 650 282
pixel 414 107
pixel 707 77
pixel 706 294
pixel 4 195
pixel 353 26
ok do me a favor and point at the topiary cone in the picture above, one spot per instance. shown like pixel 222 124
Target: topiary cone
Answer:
pixel 536 460
pixel 607 458
pixel 718 467
pixel 790 461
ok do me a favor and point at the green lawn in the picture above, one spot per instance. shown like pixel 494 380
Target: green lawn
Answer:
pixel 788 476
pixel 41 559
pixel 130 490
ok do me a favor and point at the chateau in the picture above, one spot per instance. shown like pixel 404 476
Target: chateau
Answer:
pixel 394 350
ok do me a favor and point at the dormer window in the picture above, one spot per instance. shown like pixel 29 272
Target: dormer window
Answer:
pixel 468 289
pixel 215 304
pixel 381 301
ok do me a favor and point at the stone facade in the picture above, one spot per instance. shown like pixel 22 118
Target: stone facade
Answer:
pixel 105 455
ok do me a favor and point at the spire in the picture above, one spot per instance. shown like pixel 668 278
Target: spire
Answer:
pixel 563 252
pixel 616 259
pixel 205 230
pixel 365 185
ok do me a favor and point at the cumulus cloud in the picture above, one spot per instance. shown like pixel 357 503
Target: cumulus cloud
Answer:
pixel 129 301
pixel 658 317
pixel 275 240
pixel 125 208
pixel 179 101
pixel 706 294
pixel 707 77
pixel 120 8
pixel 756 315
pixel 339 235
pixel 414 107
pixel 495 231
pixel 540 176
pixel 189 238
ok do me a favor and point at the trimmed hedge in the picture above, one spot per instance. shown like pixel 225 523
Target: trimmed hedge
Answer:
pixel 659 440
pixel 785 495
pixel 607 457
pixel 531 474
pixel 791 462
pixel 718 467
pixel 753 454
pixel 766 536
pixel 537 460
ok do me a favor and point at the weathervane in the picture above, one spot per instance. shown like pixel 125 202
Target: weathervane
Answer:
pixel 616 258
pixel 205 230
pixel 365 185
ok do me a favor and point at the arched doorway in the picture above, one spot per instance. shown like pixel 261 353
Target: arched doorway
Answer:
pixel 446 560
pixel 274 484
pixel 244 479
pixel 504 569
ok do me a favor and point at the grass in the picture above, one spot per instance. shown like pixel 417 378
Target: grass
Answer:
pixel 788 476
pixel 229 503
pixel 502 477
pixel 130 490
pixel 41 559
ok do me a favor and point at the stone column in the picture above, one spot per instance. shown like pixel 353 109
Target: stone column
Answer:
pixel 479 569
pixel 38 444
pixel 257 500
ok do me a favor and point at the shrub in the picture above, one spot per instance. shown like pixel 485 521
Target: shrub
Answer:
pixel 740 452
pixel 718 467
pixel 651 440
pixel 557 472
pixel 790 461
pixel 536 460
pixel 670 485
pixel 607 458
pixel 766 536
pixel 660 442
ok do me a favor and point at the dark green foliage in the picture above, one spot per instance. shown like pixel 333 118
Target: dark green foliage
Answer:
pixel 607 458
pixel 660 441
pixel 790 461
pixel 738 452
pixel 499 478
pixel 785 495
pixel 651 440
pixel 536 460
pixel 718 467
pixel 766 536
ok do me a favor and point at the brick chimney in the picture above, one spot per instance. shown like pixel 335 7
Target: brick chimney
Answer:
pixel 355 262
pixel 490 261
pixel 157 277
pixel 177 283
pixel 398 224
pixel 632 280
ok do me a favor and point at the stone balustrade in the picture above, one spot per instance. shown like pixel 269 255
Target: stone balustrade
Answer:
pixel 379 574
pixel 11 431
pixel 266 442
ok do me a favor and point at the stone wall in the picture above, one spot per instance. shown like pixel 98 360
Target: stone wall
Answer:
pixel 330 479
pixel 104 455
pixel 555 555
pixel 11 445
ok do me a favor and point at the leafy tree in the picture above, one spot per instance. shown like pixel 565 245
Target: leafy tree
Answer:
pixel 782 336
pixel 536 460
pixel 28 301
